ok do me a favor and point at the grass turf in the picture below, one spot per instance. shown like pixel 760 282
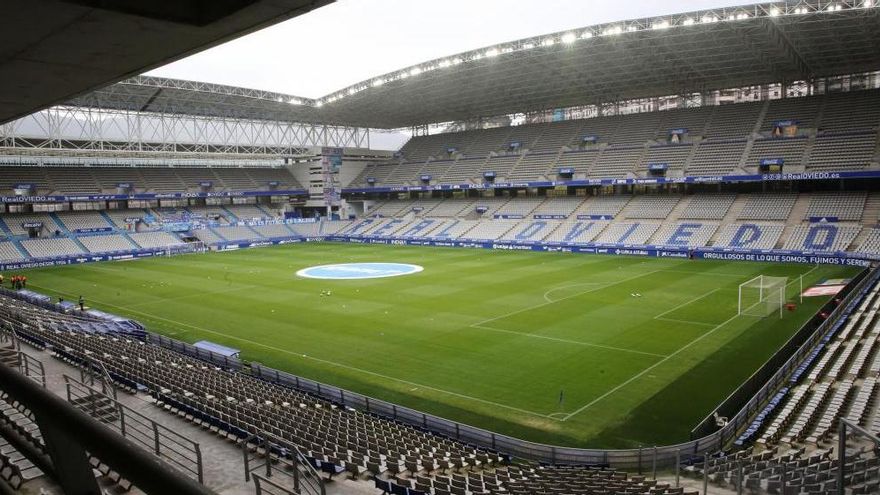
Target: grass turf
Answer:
pixel 488 338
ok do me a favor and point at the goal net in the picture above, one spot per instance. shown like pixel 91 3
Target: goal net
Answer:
pixel 762 296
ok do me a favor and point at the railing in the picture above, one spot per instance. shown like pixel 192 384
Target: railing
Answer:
pixel 170 446
pixel 279 457
pixel 264 485
pixel 661 456
pixel 71 433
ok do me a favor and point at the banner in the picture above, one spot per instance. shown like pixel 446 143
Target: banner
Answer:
pixel 331 161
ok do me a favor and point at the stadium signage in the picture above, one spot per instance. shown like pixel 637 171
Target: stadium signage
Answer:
pixel 550 217
pixel 766 162
pixel 205 183
pixel 509 217
pixel 371 180
pixel 656 167
pixel 32 225
pixel 133 219
pixel 595 217
pixel 566 171
pixel 123 185
pixel 425 178
pixel 805 176
pixel 489 174
pixel 147 196
pixel 273 183
pixel 93 230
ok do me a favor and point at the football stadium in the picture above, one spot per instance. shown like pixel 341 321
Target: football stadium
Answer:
pixel 637 257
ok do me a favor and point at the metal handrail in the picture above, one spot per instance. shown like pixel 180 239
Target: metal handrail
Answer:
pixel 72 432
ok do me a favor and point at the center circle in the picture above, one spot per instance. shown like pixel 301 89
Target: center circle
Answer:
pixel 356 271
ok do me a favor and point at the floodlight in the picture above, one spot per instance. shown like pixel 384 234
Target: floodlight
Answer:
pixel 688 22
pixel 548 42
pixel 664 24
pixel 528 46
pixel 708 19
pixel 415 71
pixel 801 10
pixel 587 35
pixel 569 38
pixel 492 52
pixel 378 82
pixel 774 12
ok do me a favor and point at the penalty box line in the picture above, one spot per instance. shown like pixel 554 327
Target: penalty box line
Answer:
pixel 320 360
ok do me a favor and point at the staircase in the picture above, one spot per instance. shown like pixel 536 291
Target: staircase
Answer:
pixel 98 406
pixel 679 209
pixel 799 210
pixel 871 213
pixel 9 356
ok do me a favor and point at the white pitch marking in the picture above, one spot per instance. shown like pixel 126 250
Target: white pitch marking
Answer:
pixel 554 289
pixel 325 361
pixel 604 286
pixel 567 341
pixel 648 369
pixel 687 302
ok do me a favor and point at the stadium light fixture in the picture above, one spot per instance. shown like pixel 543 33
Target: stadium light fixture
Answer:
pixel 378 82
pixel 587 35
pixel 801 10
pixel 632 29
pixel 319 103
pixel 528 46
pixel 834 7
pixel 688 21
pixel 456 61
pixel 613 31
pixel 492 52
pixel 774 11
pixel 569 38
pixel 868 4
pixel 708 19
pixel 548 42
pixel 664 24
pixel 415 71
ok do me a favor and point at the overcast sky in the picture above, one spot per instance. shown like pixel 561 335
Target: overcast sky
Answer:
pixel 353 40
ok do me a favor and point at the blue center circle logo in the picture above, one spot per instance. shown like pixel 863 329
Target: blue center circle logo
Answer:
pixel 356 271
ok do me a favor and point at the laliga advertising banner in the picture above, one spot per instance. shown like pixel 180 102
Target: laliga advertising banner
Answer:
pixel 331 161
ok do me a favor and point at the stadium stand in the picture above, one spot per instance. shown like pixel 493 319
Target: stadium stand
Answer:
pixel 83 220
pixel 749 236
pixel 822 237
pixel 768 207
pixel 47 248
pixel 107 243
pixel 153 240
pixel 708 206
pixel 840 206
pixel 651 206
pixel 8 252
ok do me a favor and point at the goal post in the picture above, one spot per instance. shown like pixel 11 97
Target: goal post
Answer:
pixel 762 296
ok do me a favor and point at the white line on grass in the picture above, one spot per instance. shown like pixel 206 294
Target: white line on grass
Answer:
pixel 687 302
pixel 554 289
pixel 325 361
pixel 648 369
pixel 536 306
pixel 576 342
pixel 685 321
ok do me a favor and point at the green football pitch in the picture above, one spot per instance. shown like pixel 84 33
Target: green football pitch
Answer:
pixel 578 350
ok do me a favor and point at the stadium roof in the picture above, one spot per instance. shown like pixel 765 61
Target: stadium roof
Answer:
pixel 668 55
pixel 51 51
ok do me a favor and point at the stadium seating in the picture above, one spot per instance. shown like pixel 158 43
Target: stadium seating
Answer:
pixel 708 206
pixel 749 236
pixel 628 233
pixel 235 233
pixel 83 220
pixel 835 132
pixel 8 252
pixel 841 206
pixel 49 247
pixel 15 221
pixel 822 237
pixel 768 207
pixel 651 206
pixel 153 240
pixel 106 243
pixel 690 234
